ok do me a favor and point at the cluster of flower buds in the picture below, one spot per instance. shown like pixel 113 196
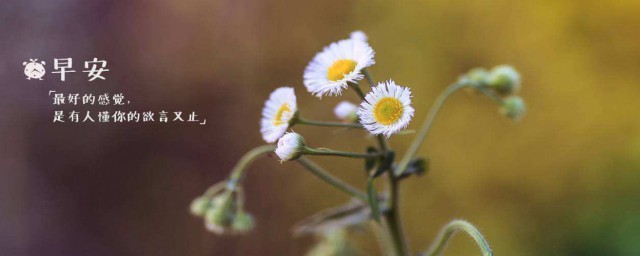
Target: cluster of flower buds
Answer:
pixel 223 210
pixel 504 82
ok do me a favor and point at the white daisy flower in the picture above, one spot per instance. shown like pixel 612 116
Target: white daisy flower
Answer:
pixel 386 109
pixel 339 63
pixel 290 146
pixel 359 35
pixel 346 111
pixel 277 114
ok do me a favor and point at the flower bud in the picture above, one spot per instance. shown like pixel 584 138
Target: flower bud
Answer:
pixel 243 222
pixel 478 76
pixel 359 35
pixel 346 111
pixel 290 146
pixel 504 79
pixel 332 242
pixel 200 205
pixel 221 213
pixel 513 107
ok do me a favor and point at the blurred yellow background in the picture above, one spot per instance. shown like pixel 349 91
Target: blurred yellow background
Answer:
pixel 562 181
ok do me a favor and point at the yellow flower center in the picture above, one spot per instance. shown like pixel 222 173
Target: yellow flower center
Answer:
pixel 388 110
pixel 340 68
pixel 283 112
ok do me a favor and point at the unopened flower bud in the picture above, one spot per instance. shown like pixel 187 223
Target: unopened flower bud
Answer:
pixel 513 107
pixel 504 79
pixel 220 215
pixel 346 111
pixel 333 242
pixel 200 205
pixel 290 146
pixel 243 222
pixel 478 76
pixel 359 35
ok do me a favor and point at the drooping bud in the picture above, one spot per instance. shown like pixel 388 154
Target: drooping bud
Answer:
pixel 200 205
pixel 290 146
pixel 504 79
pixel 332 243
pixel 346 111
pixel 513 107
pixel 243 222
pixel 226 215
pixel 221 213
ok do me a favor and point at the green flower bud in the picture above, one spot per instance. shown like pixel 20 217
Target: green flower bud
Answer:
pixel 220 215
pixel 200 205
pixel 504 79
pixel 332 243
pixel 478 76
pixel 513 107
pixel 243 222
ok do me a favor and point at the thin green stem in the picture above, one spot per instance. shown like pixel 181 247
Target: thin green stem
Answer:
pixel 318 171
pixel 358 90
pixel 393 221
pixel 237 174
pixel 383 143
pixel 328 124
pixel 369 78
pixel 426 126
pixel 492 95
pixel 215 188
pixel 330 152
pixel 440 243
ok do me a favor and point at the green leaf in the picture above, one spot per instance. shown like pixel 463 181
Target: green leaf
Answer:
pixel 373 200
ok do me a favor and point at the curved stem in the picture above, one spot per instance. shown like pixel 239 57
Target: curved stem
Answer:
pixel 450 229
pixel 424 129
pixel 318 171
pixel 215 188
pixel 328 124
pixel 330 152
pixel 238 171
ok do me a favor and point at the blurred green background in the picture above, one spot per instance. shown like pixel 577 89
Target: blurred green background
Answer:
pixel 563 181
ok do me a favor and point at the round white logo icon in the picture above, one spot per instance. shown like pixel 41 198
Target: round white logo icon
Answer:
pixel 34 69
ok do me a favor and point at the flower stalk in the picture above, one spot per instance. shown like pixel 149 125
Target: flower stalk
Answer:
pixel 303 121
pixel 426 125
pixel 369 78
pixel 440 243
pixel 321 173
pixel 393 221
pixel 237 174
pixel 330 152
